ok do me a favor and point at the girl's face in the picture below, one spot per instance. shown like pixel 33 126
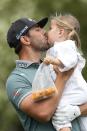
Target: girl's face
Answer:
pixel 56 34
pixel 53 33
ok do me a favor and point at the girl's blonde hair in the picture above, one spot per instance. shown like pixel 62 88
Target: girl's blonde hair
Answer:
pixel 70 23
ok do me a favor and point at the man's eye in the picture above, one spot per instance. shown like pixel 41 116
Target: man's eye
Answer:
pixel 37 29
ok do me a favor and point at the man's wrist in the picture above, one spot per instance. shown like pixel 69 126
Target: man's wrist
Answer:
pixel 83 109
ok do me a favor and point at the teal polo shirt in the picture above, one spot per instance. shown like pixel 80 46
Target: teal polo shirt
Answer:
pixel 19 85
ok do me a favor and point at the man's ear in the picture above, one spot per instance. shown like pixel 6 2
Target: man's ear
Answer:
pixel 25 40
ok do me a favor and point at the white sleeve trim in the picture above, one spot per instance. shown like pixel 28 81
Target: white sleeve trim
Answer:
pixel 23 98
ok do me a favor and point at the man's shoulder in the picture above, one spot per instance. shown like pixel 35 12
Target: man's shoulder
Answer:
pixel 18 86
pixel 14 77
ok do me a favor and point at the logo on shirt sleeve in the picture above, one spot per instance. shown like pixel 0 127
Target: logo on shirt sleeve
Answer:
pixel 16 93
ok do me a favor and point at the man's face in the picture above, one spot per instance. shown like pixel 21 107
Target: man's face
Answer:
pixel 38 39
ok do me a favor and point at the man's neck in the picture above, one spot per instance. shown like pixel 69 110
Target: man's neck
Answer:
pixel 30 55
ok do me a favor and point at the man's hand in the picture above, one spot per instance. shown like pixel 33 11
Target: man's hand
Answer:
pixel 53 61
pixel 48 60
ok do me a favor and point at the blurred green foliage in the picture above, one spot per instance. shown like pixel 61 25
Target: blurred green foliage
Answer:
pixel 10 10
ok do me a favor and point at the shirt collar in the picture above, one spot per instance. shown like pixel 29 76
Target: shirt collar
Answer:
pixel 26 64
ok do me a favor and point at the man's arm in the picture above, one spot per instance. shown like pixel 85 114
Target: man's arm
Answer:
pixel 44 110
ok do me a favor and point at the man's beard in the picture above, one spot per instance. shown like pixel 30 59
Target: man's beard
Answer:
pixel 40 47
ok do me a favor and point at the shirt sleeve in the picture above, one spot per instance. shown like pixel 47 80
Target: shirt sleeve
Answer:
pixel 67 54
pixel 17 89
pixel 76 125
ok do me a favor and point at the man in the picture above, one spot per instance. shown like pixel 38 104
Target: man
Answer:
pixel 28 38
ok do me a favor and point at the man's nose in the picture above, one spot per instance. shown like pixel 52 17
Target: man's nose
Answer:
pixel 43 31
pixel 46 34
